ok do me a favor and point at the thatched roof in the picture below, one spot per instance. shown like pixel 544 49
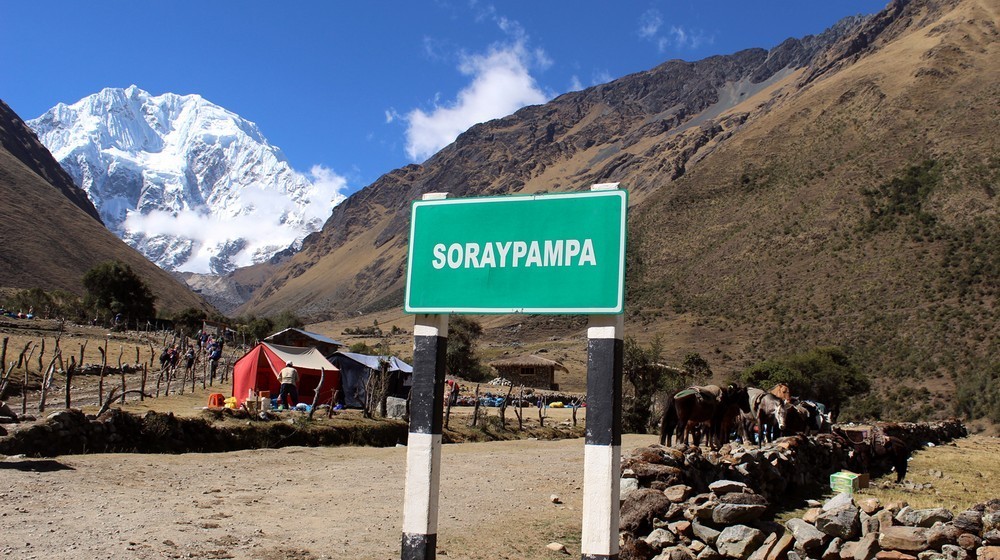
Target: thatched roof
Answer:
pixel 528 361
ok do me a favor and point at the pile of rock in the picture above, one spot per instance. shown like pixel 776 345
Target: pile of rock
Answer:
pixel 773 469
pixel 704 528
pixel 71 431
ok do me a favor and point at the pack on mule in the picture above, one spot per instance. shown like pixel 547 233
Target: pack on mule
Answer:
pixel 876 451
pixel 701 408
pixel 769 412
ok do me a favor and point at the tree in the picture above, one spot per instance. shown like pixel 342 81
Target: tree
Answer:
pixel 287 320
pixel 461 359
pixel 361 347
pixel 696 368
pixel 643 370
pixel 189 320
pixel 824 374
pixel 255 328
pixel 114 288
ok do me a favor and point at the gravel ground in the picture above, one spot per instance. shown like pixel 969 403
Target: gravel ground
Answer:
pixel 291 503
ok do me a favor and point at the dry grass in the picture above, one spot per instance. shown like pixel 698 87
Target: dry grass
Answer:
pixel 968 469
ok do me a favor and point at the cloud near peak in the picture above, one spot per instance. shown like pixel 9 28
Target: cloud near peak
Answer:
pixel 500 84
pixel 268 220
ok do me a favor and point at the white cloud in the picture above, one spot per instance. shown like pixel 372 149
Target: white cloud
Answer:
pixel 501 83
pixel 270 220
pixel 674 37
pixel 649 24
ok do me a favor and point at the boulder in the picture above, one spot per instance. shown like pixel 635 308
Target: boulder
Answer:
pixel 893 555
pixel 885 519
pixel 807 537
pixel 720 487
pixel 840 500
pixel 941 534
pixel 704 533
pixel 627 486
pixel 660 539
pixel 681 528
pixel 923 517
pixel 991 521
pixel 709 554
pixel 904 539
pixel 842 521
pixel 696 547
pixel 678 493
pixel 988 553
pixel 675 553
pixel 832 551
pixel 969 542
pixel 701 512
pixel 647 473
pixel 765 548
pixel 970 521
pixel 992 537
pixel 639 510
pixel 781 548
pixel 870 505
pixel 729 514
pixel 867 547
pixel 636 548
pixel 952 552
pixel 739 541
pixel 811 515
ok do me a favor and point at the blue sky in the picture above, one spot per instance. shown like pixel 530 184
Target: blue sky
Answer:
pixel 356 89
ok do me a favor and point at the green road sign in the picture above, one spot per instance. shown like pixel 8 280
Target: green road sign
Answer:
pixel 554 253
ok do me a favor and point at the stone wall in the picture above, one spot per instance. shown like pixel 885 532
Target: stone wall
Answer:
pixel 72 432
pixel 685 503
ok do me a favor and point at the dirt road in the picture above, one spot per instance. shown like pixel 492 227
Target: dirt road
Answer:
pixel 292 503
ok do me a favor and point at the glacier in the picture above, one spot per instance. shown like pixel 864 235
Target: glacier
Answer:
pixel 192 186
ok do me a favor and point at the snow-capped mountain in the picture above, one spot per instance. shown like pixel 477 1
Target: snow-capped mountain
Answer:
pixel 192 186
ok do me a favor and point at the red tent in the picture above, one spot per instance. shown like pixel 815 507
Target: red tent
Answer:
pixel 258 370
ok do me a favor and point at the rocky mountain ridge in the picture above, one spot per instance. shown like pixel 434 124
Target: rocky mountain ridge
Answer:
pixel 177 176
pixel 837 191
pixel 51 233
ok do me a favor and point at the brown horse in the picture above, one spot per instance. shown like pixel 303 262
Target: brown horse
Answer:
pixel 879 452
pixel 701 407
pixel 782 391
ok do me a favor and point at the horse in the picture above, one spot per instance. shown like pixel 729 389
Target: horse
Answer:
pixel 782 391
pixel 798 420
pixel 818 418
pixel 881 450
pixel 769 412
pixel 699 407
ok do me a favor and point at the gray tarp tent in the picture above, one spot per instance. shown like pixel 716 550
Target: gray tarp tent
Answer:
pixel 355 369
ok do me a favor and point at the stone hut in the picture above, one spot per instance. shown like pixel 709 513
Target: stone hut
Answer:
pixel 531 371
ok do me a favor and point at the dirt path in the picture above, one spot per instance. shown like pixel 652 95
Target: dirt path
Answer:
pixel 292 503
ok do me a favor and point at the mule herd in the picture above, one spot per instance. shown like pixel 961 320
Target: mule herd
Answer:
pixel 718 414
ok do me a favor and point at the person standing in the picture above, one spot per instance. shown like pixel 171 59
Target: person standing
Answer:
pixel 289 379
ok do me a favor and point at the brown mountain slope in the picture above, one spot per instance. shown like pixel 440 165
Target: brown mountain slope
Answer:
pixel 642 129
pixel 861 210
pixel 48 241
pixel 21 142
pixel 839 190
